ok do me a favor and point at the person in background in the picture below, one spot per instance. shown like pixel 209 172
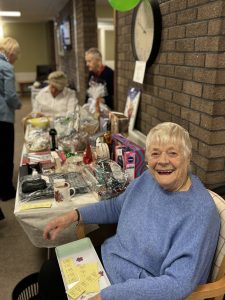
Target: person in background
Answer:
pixel 167 232
pixel 56 99
pixel 100 73
pixel 9 102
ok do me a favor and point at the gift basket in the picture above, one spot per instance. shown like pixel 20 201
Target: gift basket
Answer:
pixel 64 125
pixel 88 122
pixel 36 139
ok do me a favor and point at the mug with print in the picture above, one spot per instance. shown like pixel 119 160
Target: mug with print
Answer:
pixel 63 191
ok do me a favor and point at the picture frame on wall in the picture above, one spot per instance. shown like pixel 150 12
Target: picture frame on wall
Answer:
pixel 131 107
pixel 66 34
pixel 59 38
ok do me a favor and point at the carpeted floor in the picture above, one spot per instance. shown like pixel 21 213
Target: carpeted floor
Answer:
pixel 18 257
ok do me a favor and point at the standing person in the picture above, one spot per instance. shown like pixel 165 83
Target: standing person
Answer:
pixel 9 102
pixel 167 232
pixel 100 73
pixel 56 99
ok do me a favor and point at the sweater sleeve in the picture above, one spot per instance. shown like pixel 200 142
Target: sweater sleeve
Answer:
pixel 103 212
pixel 10 89
pixel 189 258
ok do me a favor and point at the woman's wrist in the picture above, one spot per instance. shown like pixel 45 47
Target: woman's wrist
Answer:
pixel 78 215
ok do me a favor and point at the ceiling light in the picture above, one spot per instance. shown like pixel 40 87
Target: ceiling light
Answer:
pixel 10 13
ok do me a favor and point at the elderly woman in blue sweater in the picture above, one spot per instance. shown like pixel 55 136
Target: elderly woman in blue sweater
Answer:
pixel 168 225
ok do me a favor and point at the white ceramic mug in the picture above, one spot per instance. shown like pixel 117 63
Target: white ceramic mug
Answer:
pixel 62 191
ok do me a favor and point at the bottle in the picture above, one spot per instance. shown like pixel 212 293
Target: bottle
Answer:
pixel 53 139
pixel 107 137
pixel 87 157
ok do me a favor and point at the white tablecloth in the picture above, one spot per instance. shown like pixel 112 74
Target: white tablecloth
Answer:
pixel 33 221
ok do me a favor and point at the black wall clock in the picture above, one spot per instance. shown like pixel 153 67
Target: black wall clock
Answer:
pixel 146 31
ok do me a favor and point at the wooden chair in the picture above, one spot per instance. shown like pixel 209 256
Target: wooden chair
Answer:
pixel 216 288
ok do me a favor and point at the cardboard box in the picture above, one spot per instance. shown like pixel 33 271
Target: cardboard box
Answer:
pixel 119 123
pixel 129 155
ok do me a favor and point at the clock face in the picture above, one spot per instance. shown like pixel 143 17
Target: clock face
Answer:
pixel 144 30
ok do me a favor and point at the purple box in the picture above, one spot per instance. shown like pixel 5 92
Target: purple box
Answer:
pixel 128 146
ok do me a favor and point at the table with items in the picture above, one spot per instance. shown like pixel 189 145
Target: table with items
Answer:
pixel 77 161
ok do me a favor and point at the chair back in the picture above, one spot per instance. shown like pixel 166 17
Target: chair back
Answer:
pixel 218 267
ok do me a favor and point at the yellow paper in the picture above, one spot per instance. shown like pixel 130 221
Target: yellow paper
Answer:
pixel 69 270
pixel 76 291
pixel 26 206
pixel 89 280
pixel 89 274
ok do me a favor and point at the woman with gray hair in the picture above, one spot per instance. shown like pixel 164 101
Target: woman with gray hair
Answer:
pixel 9 102
pixel 56 99
pixel 167 228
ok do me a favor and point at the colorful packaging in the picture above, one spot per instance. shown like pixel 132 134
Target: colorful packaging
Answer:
pixel 129 155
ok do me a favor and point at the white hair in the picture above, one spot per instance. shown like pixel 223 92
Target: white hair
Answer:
pixel 169 132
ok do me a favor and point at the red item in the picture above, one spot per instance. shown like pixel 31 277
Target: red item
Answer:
pixel 100 70
pixel 87 157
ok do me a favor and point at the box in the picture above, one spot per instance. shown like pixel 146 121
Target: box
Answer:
pixel 119 122
pixel 129 155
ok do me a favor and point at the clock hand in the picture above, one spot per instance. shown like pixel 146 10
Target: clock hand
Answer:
pixel 144 31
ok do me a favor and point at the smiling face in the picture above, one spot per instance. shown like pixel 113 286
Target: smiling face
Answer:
pixel 168 165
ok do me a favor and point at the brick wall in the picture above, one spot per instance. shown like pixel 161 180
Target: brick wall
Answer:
pixel 83 20
pixel 186 83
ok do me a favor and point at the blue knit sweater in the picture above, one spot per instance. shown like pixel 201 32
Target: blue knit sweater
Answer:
pixel 165 241
pixel 8 98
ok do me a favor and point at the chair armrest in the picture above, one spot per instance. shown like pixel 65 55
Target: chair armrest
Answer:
pixel 208 290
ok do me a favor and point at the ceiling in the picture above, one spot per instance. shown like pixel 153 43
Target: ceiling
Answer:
pixel 35 10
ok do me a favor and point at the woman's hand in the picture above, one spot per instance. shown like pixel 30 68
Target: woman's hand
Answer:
pixel 96 297
pixel 58 224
